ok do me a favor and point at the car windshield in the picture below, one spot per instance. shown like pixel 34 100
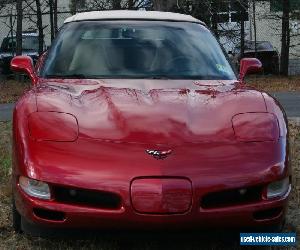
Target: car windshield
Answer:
pixel 136 49
pixel 28 43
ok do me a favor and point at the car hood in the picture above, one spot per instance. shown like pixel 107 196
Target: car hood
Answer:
pixel 150 111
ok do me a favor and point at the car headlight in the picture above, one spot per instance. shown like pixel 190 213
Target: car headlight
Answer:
pixel 278 188
pixel 255 127
pixel 35 188
pixel 53 126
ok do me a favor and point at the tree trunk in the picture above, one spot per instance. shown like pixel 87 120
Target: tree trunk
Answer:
pixel 214 20
pixel 55 24
pixel 19 27
pixel 242 38
pixel 243 14
pixel 116 4
pixel 285 39
pixel 51 19
pixel 130 4
pixel 40 26
pixel 73 7
pixel 254 27
pixel 11 31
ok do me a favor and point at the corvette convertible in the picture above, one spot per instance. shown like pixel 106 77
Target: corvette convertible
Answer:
pixel 137 120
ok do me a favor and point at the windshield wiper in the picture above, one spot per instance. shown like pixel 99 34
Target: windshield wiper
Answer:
pixel 71 76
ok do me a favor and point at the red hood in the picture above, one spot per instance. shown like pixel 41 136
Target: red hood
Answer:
pixel 150 111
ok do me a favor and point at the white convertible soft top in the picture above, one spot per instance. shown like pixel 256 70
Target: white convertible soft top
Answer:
pixel 131 15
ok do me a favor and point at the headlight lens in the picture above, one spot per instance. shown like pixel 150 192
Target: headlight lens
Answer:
pixel 35 188
pixel 255 127
pixel 278 188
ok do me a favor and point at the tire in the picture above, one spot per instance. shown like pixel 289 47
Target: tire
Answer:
pixel 16 218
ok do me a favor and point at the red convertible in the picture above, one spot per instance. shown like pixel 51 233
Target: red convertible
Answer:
pixel 136 120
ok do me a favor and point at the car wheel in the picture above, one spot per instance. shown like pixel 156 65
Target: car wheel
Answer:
pixel 16 218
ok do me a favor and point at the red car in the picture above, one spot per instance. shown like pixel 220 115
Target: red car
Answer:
pixel 136 120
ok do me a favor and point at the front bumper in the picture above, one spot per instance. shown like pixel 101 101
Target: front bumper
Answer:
pixel 210 168
pixel 76 216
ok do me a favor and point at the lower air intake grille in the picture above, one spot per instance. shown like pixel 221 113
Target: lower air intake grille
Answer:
pixel 49 214
pixel 231 197
pixel 87 198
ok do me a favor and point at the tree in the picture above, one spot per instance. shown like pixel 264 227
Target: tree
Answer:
pixel 39 19
pixel 285 38
pixel 130 4
pixel 34 13
pixel 243 7
pixel 4 2
pixel 51 6
pixel 73 7
pixel 282 14
pixel 254 26
pixel 116 4
pixel 19 9
pixel 53 17
pixel 137 4
pixel 55 24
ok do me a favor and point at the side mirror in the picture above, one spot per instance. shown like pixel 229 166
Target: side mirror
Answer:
pixel 24 64
pixel 249 66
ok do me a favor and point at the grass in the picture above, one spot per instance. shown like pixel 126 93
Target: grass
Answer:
pixel 10 240
pixel 5 148
pixel 11 90
pixel 275 83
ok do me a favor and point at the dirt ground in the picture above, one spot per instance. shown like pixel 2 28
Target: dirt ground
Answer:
pixel 10 240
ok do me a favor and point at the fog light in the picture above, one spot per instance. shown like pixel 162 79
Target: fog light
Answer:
pixel 35 188
pixel 278 188
pixel 73 192
pixel 243 191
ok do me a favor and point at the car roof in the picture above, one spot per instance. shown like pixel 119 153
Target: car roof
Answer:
pixel 132 15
